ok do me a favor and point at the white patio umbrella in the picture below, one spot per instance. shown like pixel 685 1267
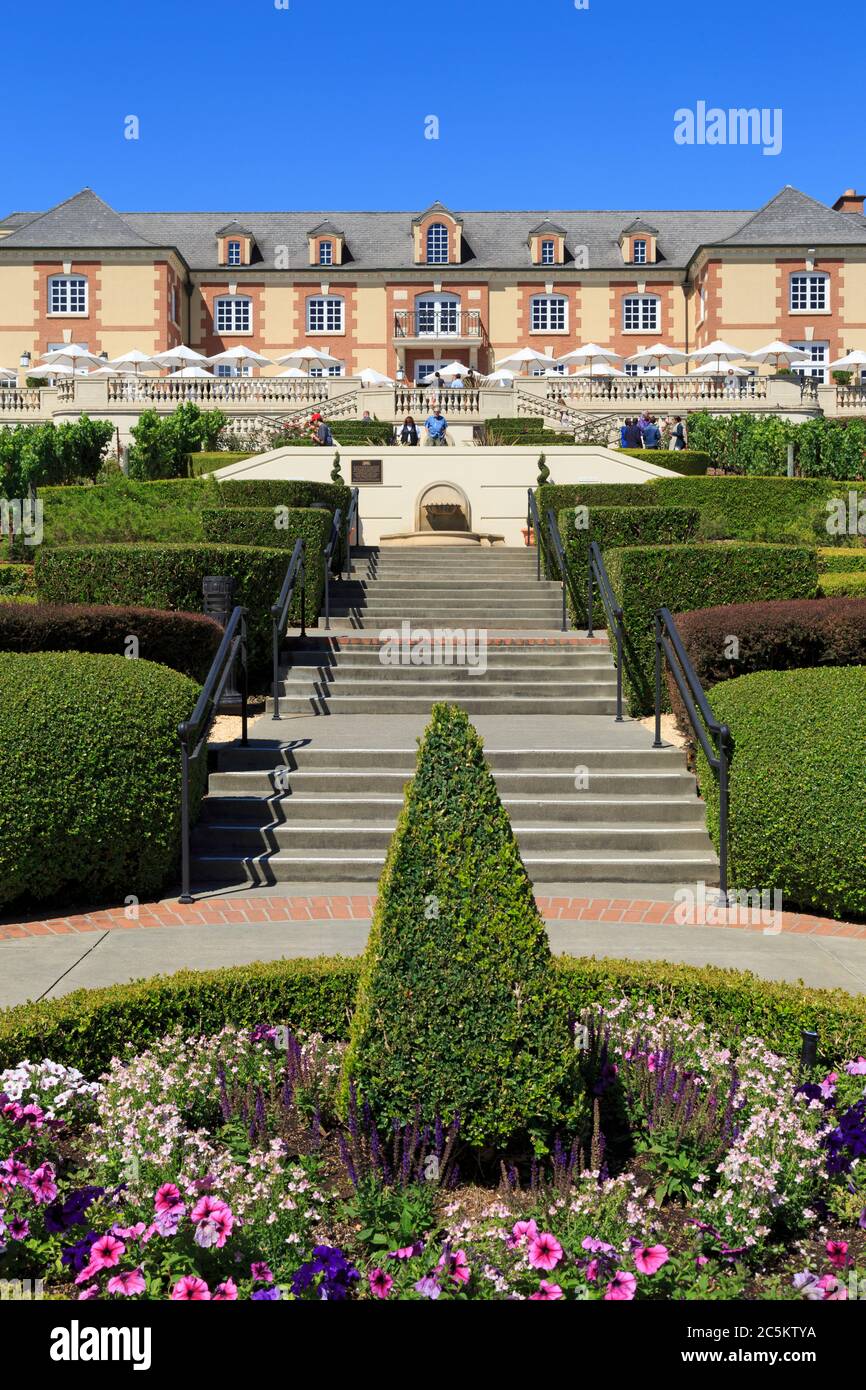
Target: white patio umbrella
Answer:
pixel 239 356
pixel 453 369
pixel 503 377
pixel 106 371
pixel 719 351
pixel 292 371
pixel 311 355
pixel 371 377
pixel 8 374
pixel 603 369
pixel 592 355
pixel 71 356
pixel 857 358
pixel 779 354
pixel 726 369
pixel 180 356
pixel 522 356
pixel 659 355
pixel 137 361
pixel 188 373
pixel 47 369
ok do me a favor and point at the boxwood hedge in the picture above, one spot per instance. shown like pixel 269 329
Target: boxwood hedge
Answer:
pixel 457 1001
pixel 686 461
pixel 170 577
pixel 187 642
pixel 268 526
pixel 754 509
pixel 89 775
pixel 840 559
pixel 685 577
pixel 17 579
pixel 797 786
pixel 282 492
pixel 89 1027
pixel 616 526
pixel 851 583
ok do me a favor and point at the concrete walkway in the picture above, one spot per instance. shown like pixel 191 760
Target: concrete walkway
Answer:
pixel 48 967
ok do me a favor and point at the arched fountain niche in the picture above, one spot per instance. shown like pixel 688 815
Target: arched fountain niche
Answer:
pixel 443 507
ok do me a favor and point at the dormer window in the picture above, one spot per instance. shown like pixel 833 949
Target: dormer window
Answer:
pixel 235 245
pixel 233 253
pixel 326 253
pixel 327 245
pixel 638 243
pixel 639 251
pixel 548 253
pixel 437 244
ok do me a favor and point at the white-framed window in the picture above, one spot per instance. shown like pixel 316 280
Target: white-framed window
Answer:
pixel 337 370
pixel 234 368
pixel 641 313
pixel 437 315
pixel 325 314
pixel 548 313
pixel 233 314
pixel 64 347
pixel 67 294
pixel 437 244
pixel 539 368
pixel 810 292
pixel 819 358
pixel 326 253
pixel 548 253
pixel 638 251
pixel 233 253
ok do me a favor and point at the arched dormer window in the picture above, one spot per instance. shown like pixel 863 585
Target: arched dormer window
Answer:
pixel 437 244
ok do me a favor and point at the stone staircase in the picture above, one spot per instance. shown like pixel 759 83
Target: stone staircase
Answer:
pixel 315 800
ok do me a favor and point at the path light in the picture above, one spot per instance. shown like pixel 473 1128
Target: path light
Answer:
pixel 809 1051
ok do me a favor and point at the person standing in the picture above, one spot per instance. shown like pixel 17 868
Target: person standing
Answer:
pixel 652 435
pixel 623 429
pixel 632 435
pixel 409 432
pixel 678 435
pixel 437 427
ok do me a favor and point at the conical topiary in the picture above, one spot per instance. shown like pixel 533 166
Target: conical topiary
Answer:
pixel 458 1009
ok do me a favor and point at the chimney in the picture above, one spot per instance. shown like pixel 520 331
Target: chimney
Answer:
pixel 849 202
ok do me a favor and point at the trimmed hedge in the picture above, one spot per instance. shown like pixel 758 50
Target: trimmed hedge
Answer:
pixel 685 577
pixel 559 495
pixel 754 509
pixel 187 642
pixel 89 1027
pixel 259 526
pixel 781 636
pixel 685 461
pixel 362 432
pixel 835 559
pixel 125 510
pixel 618 526
pixel 17 579
pixel 90 775
pixel 282 492
pixel 457 1003
pixel 797 786
pixel 169 577
pixel 851 584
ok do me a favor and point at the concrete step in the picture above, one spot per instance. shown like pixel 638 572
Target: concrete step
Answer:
pixel 547 680
pixel 347 809
pixel 536 762
pixel 331 836
pixel 399 703
pixel 506 621
pixel 263 782
pixel 446 683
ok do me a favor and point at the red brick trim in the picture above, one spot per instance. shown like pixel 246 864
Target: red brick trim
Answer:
pixel 246 911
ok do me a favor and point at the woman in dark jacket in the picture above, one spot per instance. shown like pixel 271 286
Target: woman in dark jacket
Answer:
pixel 409 432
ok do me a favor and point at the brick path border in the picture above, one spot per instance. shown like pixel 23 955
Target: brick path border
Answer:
pixel 251 912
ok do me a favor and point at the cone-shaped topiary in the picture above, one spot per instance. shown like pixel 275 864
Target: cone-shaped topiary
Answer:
pixel 458 1007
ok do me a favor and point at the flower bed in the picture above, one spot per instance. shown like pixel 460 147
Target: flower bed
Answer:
pixel 217 1168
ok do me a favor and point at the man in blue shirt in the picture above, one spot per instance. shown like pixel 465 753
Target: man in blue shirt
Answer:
pixel 436 426
pixel 652 435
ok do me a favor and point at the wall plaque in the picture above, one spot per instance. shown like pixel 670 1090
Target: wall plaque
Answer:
pixel 366 470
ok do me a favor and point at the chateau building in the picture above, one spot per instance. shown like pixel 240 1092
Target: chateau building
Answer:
pixel 410 291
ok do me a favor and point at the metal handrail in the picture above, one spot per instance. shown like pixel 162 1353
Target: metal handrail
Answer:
pixel 333 542
pixel 193 733
pixel 280 610
pixel 561 558
pixel 598 575
pixel 714 738
pixel 533 522
pixel 351 523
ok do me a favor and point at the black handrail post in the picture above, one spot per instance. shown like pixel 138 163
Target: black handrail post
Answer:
pixel 327 593
pixel 657 741
pixel 303 568
pixel 564 609
pixel 618 719
pixel 275 623
pixel 724 760
pixel 245 680
pixel 185 896
pixel 589 589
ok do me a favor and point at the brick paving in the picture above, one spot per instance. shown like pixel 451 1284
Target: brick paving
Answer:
pixel 239 911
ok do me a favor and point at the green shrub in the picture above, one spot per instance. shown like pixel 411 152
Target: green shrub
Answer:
pixel 851 584
pixel 90 775
pixel 797 786
pixel 187 642
pixel 210 462
pixel 616 526
pixel 125 510
pixel 163 444
pixel 265 526
pixel 685 577
pixel 758 444
pixel 170 577
pixel 89 1027
pixel 559 495
pixel 753 509
pixel 361 432
pixel 458 1007
pixel 686 461
pixel 282 492
pixel 42 454
pixel 17 579
pixel 839 559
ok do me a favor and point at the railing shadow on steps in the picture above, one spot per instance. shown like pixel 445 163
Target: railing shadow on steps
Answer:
pixel 598 579
pixel 714 738
pixel 193 733
pixel 295 574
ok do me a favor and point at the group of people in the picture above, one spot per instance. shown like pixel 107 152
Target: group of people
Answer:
pixel 643 432
pixel 470 378
pixel 435 429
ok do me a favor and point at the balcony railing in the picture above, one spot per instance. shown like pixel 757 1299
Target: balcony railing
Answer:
pixel 220 390
pixel 649 388
pixel 418 401
pixel 851 397
pixel 20 400
pixel 443 323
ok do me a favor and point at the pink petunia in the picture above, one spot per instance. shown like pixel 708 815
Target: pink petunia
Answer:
pixel 457 1266
pixel 41 1185
pixel 190 1289
pixel 226 1292
pixel 828 1085
pixel 215 1227
pixel 167 1199
pixel 91 1292
pixel 521 1231
pixel 837 1253
pixel 261 1272
pixel 545 1251
pixel 206 1208
pixel 14 1171
pixel 650 1258
pixel 621 1288
pixel 18 1227
pixel 381 1283
pixel 130 1232
pixel 130 1282
pixel 546 1293
pixel 833 1291
pixel 106 1252
pixel 857 1068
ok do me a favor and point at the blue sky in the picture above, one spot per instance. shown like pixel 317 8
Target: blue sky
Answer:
pixel 243 105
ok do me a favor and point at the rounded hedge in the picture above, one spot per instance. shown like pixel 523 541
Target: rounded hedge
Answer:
pixel 188 642
pixel 798 785
pixel 89 775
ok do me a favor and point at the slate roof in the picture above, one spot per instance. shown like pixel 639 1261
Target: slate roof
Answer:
pixel 383 240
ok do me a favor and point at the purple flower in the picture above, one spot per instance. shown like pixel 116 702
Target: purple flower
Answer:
pixel 265 1295
pixel 428 1286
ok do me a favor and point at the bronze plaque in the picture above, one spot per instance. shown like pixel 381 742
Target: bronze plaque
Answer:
pixel 366 470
